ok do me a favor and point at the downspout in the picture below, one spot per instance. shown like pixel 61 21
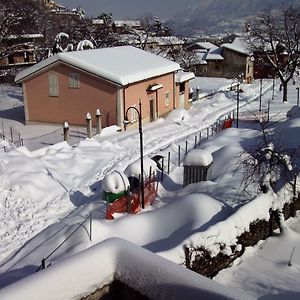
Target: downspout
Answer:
pixel 156 104
pixel 174 92
pixel 124 111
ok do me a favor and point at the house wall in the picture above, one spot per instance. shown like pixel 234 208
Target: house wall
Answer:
pixel 72 104
pixel 234 63
pixel 215 68
pixel 136 91
pixel 186 93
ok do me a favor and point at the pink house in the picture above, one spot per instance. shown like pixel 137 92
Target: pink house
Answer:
pixel 66 86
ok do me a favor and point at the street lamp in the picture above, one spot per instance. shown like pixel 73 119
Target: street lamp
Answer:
pixel 260 93
pixel 126 122
pixel 239 81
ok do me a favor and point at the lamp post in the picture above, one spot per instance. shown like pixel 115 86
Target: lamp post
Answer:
pixel 126 121
pixel 297 88
pixel 260 93
pixel 239 81
pixel 273 88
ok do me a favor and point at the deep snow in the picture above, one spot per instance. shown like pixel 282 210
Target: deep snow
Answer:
pixel 58 186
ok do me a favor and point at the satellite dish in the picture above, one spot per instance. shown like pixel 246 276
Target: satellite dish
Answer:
pixel 252 58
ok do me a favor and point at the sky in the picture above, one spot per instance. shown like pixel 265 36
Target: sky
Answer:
pixel 128 8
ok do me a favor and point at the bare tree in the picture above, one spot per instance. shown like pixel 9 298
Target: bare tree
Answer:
pixel 277 37
pixel 269 165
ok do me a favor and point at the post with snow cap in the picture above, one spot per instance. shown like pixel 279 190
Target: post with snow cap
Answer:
pixel 89 125
pixel 66 132
pixel 98 121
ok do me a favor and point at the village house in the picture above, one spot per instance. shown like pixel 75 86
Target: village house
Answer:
pixel 126 26
pixel 66 86
pixel 230 60
pixel 22 50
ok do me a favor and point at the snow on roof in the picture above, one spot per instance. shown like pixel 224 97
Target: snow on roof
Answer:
pixel 214 54
pixel 184 76
pixel 206 45
pixel 115 182
pixel 121 65
pixel 117 259
pixel 25 36
pixel 130 23
pixel 198 157
pixel 134 169
pixel 97 21
pixel 238 45
pixel 168 40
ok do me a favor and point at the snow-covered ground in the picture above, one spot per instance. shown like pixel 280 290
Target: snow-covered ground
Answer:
pixel 46 193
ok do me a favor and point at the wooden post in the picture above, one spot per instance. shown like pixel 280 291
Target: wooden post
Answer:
pixel 43 264
pixel 89 125
pixel 162 169
pixel 66 132
pixel 90 226
pixel 11 135
pixel 98 121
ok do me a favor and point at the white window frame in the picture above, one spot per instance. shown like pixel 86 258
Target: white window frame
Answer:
pixel 167 98
pixel 53 84
pixel 74 82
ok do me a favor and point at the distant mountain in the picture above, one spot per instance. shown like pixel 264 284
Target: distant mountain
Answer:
pixel 219 16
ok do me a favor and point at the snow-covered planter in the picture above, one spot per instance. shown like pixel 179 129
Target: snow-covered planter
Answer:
pixel 133 171
pixel 114 185
pixel 196 165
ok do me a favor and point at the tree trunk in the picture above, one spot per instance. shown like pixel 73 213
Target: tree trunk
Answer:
pixel 284 89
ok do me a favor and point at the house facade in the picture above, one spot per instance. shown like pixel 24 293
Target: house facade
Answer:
pixel 66 86
pixel 230 60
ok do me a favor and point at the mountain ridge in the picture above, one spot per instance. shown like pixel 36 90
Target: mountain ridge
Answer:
pixel 219 16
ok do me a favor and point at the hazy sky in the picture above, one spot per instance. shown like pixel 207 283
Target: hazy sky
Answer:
pixel 128 8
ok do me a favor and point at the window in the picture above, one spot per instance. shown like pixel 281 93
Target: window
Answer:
pixel 73 80
pixel 53 84
pixel 133 115
pixel 167 99
pixel 182 87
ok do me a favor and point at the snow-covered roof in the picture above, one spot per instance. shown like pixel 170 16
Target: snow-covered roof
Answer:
pixel 184 76
pixel 206 45
pixel 214 54
pixel 25 36
pixel 168 40
pixel 97 21
pixel 121 65
pixel 238 45
pixel 130 23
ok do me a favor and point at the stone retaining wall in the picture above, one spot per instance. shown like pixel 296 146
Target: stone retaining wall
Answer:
pixel 209 266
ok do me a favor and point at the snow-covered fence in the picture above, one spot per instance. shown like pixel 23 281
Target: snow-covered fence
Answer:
pixel 43 260
pixel 194 140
